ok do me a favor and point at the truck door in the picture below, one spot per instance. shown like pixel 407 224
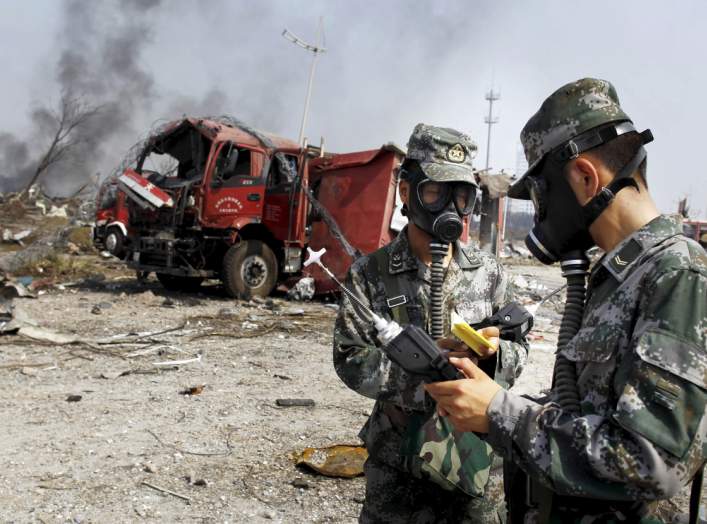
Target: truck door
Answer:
pixel 280 199
pixel 233 187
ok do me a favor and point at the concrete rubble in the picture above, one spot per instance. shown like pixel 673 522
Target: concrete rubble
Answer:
pixel 302 290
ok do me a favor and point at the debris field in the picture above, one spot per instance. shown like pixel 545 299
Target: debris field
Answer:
pixel 127 402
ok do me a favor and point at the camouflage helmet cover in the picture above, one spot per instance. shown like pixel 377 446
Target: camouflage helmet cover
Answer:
pixel 573 109
pixel 444 154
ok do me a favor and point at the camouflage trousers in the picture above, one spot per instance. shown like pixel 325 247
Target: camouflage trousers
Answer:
pixel 395 497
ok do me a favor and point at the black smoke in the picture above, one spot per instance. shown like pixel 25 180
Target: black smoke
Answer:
pixel 100 47
pixel 386 68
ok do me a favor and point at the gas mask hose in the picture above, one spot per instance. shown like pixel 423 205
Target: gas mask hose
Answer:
pixel 574 266
pixel 438 250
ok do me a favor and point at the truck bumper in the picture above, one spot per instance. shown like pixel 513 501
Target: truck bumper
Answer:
pixel 159 255
pixel 176 271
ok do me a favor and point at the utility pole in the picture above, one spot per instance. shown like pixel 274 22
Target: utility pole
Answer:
pixel 490 120
pixel 316 50
pixel 488 227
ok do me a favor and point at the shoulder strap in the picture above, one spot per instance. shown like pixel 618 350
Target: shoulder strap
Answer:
pixel 395 297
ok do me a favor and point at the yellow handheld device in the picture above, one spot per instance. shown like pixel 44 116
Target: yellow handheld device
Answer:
pixel 468 334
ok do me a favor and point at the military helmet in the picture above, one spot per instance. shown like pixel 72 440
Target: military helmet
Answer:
pixel 444 154
pixel 567 113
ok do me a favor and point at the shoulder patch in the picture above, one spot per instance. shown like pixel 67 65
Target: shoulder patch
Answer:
pixel 468 258
pixel 396 261
pixel 618 263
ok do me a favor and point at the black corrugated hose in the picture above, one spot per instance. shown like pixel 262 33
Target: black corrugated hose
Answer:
pixel 574 266
pixel 438 250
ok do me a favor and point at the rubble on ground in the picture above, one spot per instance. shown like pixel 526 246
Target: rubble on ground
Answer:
pixel 47 238
pixel 302 290
pixel 8 237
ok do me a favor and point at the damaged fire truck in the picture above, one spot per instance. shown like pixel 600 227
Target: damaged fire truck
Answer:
pixel 214 198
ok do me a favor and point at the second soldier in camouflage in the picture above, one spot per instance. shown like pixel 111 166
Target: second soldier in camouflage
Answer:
pixel 419 469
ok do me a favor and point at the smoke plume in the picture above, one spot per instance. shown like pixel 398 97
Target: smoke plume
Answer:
pixel 98 62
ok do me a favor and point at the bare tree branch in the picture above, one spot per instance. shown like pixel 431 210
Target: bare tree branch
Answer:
pixel 74 112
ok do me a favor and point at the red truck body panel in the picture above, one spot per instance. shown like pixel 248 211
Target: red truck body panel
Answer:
pixel 111 209
pixel 358 189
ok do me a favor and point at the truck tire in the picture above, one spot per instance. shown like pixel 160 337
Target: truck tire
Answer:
pixel 249 269
pixel 179 283
pixel 115 242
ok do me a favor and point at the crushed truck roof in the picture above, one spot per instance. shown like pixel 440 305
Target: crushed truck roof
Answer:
pixel 228 129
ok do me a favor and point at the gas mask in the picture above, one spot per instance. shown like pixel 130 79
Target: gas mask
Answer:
pixel 438 208
pixel 561 223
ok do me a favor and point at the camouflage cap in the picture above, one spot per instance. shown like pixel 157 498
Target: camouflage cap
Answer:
pixel 570 111
pixel 444 154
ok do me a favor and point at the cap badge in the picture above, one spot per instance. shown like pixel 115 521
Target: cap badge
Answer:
pixel 456 153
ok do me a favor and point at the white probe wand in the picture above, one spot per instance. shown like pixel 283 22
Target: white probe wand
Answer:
pixel 387 331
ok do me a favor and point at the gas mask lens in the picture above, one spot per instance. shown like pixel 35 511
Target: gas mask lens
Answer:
pixel 465 196
pixel 435 196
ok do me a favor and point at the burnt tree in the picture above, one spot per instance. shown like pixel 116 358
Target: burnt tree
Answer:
pixel 72 114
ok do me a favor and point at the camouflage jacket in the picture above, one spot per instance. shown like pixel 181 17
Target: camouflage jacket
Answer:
pixel 641 362
pixel 474 285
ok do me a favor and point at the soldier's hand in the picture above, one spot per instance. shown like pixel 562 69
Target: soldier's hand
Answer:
pixel 465 402
pixel 491 334
pixel 456 348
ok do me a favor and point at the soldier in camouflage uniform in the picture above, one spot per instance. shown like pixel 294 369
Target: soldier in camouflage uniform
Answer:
pixel 640 355
pixel 403 434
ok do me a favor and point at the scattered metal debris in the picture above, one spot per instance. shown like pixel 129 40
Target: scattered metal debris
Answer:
pixel 46 335
pixel 112 375
pixel 178 362
pixel 193 390
pixel 193 480
pixel 166 491
pixel 301 483
pixel 14 289
pixel 8 237
pixel 295 402
pixel 6 318
pixel 344 461
pixel 302 290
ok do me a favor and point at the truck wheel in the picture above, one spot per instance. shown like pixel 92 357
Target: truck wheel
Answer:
pixel 179 283
pixel 115 242
pixel 249 269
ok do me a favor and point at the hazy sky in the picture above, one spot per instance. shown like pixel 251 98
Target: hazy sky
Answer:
pixel 389 65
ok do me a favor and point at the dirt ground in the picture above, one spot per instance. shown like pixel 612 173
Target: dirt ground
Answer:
pixel 227 450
